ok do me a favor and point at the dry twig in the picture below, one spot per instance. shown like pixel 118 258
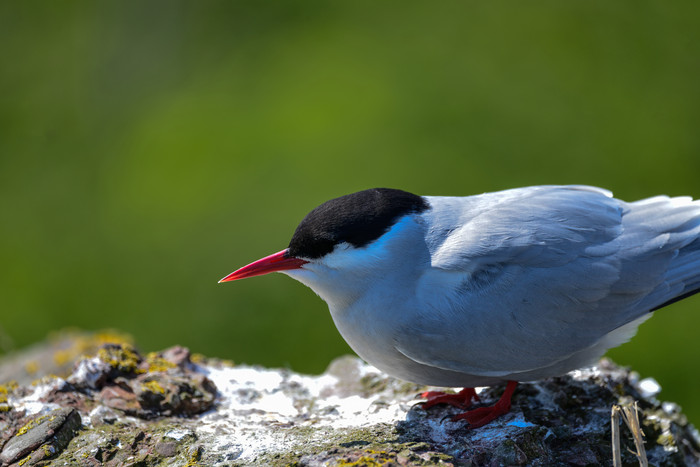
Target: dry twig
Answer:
pixel 630 415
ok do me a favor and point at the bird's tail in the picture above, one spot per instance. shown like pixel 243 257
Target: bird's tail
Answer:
pixel 672 229
pixel 684 273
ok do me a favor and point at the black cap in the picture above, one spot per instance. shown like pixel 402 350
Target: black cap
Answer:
pixel 358 219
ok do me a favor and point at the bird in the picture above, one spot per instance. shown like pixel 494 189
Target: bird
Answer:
pixel 503 287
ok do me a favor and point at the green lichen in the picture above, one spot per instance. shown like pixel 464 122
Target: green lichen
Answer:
pixel 371 460
pixel 373 446
pixel 122 443
pixel 373 383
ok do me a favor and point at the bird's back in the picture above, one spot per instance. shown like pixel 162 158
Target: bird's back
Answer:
pixel 532 282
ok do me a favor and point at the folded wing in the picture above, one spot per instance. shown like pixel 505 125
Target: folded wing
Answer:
pixel 533 276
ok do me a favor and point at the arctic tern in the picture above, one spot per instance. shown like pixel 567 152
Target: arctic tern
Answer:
pixel 511 286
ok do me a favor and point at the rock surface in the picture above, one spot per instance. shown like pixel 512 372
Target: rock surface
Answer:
pixel 117 407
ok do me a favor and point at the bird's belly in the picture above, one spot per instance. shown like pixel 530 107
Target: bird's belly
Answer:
pixel 372 341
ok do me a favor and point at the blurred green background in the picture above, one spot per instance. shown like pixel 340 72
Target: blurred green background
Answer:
pixel 148 148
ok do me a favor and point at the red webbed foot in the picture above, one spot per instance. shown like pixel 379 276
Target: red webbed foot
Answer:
pixel 462 399
pixel 483 415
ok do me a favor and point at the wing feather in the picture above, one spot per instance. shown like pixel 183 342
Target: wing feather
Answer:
pixel 540 273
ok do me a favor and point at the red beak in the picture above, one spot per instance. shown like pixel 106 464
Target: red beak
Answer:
pixel 272 263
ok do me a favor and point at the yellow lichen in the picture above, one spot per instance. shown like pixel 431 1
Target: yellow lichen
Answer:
pixel 194 456
pixel 46 379
pixel 63 357
pixel 198 358
pixel 124 358
pixel 31 424
pixel 158 364
pixel 25 460
pixel 5 390
pixel 31 367
pixel 25 428
pixel 113 337
pixel 153 386
pixel 87 345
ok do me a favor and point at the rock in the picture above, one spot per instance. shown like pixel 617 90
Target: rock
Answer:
pixel 166 409
pixel 159 385
pixel 55 356
pixel 41 438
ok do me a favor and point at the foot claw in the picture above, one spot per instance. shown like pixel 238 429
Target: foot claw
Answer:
pixel 462 399
pixel 483 415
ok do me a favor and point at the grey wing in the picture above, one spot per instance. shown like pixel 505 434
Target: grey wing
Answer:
pixel 534 276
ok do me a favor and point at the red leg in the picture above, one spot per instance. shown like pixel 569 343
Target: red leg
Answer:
pixel 483 415
pixel 462 399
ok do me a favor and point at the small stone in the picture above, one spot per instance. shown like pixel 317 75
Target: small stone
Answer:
pixel 103 415
pixel 90 372
pixel 179 393
pixel 166 449
pixel 178 355
pixel 117 397
pixel 179 435
pixel 649 387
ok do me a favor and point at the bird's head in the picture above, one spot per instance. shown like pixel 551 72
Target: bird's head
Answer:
pixel 339 243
